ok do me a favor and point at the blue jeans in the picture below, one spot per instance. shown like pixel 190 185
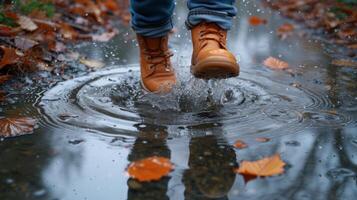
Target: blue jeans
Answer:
pixel 152 18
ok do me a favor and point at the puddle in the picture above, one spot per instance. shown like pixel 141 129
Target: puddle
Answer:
pixel 93 126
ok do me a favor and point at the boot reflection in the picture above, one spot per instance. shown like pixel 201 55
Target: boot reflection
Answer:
pixel 151 141
pixel 210 174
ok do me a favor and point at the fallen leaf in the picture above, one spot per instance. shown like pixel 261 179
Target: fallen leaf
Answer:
pixel 4 78
pixel 105 37
pixel 2 95
pixel 262 139
pixel 26 23
pixel 268 166
pixel 68 32
pixel 275 63
pixel 285 30
pixel 352 46
pixel 24 43
pixel 95 64
pixel 9 31
pixel 150 169
pixel 344 63
pixel 9 56
pixel 256 21
pixel 240 144
pixel 12 127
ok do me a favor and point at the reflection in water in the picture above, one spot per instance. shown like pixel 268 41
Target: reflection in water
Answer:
pixel 151 141
pixel 211 163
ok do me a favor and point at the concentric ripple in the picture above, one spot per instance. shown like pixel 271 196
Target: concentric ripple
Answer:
pixel 112 102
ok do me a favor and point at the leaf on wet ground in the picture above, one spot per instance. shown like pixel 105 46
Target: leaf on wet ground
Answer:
pixel 91 63
pixel 9 56
pixel 2 95
pixel 240 144
pixel 275 63
pixel 344 63
pixel 4 78
pixel 26 23
pixel 269 166
pixel 9 31
pixel 12 127
pixel 256 21
pixel 150 169
pixel 285 30
pixel 105 37
pixel 24 43
pixel 262 139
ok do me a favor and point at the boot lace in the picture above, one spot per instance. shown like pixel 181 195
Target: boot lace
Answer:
pixel 211 33
pixel 158 60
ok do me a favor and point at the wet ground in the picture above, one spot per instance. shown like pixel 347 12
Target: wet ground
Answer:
pixel 91 127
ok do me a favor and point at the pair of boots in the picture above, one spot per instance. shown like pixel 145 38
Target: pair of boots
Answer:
pixel 210 58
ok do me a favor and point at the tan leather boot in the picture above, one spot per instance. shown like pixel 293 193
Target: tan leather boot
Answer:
pixel 157 74
pixel 210 58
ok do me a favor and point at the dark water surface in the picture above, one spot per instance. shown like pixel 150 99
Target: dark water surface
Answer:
pixel 91 127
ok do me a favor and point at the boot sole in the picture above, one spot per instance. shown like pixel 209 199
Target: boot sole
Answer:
pixel 215 68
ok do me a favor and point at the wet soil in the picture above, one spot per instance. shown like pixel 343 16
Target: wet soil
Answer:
pixel 92 126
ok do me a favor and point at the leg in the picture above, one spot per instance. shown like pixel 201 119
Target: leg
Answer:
pixel 209 21
pixel 151 20
pixel 220 12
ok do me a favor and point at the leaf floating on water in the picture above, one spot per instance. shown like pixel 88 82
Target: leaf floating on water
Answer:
pixel 26 23
pixel 95 64
pixel 275 63
pixel 262 139
pixel 285 30
pixel 12 127
pixel 269 166
pixel 240 144
pixel 256 21
pixel 150 169
pixel 344 63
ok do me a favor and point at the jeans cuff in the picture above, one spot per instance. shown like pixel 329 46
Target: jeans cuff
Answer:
pixel 223 19
pixel 153 30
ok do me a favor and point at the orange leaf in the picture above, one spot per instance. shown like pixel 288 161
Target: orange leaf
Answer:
pixel 150 169
pixel 11 127
pixel 285 30
pixel 262 139
pixel 9 56
pixel 256 21
pixel 268 166
pixel 240 144
pixel 275 63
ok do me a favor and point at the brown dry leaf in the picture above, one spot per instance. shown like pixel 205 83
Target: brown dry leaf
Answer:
pixel 285 30
pixel 95 64
pixel 2 95
pixel 262 139
pixel 344 63
pixel 26 23
pixel 68 32
pixel 268 166
pixel 150 169
pixel 9 56
pixel 275 63
pixel 352 46
pixel 256 21
pixel 240 144
pixel 12 127
pixel 24 43
pixel 8 31
pixel 4 78
pixel 105 37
